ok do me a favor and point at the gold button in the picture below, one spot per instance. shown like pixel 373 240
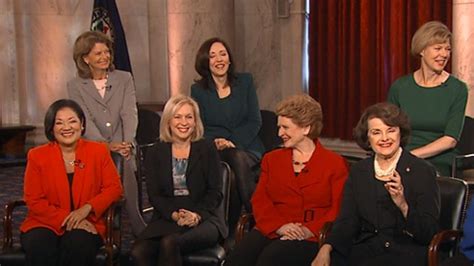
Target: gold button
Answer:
pixel 108 124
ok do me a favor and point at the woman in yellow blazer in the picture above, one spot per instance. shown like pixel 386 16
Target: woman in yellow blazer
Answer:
pixel 69 183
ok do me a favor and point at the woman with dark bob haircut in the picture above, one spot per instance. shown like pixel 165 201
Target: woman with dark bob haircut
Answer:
pixel 69 184
pixel 390 207
pixel 231 117
pixel 300 189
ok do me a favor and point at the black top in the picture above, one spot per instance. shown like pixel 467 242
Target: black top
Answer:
pixel 70 176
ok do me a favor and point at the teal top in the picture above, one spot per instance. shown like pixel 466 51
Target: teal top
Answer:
pixel 433 112
pixel 235 117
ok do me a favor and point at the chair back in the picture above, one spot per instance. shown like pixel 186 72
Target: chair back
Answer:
pixel 148 129
pixel 463 164
pixel 268 133
pixel 454 195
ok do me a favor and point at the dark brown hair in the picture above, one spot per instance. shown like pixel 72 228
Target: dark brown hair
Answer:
pixel 390 114
pixel 202 63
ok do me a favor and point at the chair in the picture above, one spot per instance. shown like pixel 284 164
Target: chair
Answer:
pixel 109 253
pixel 268 133
pixel 148 131
pixel 454 195
pixel 463 164
pixel 214 256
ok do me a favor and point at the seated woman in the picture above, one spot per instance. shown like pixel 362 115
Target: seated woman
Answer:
pixel 69 184
pixel 231 116
pixel 390 207
pixel 300 188
pixel 184 187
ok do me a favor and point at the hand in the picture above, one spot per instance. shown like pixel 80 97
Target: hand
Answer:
pixel 291 231
pixel 324 256
pixel 188 218
pixel 75 217
pixel 123 148
pixel 222 144
pixel 396 191
pixel 87 226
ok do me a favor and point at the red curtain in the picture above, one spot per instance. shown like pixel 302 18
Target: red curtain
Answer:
pixel 358 48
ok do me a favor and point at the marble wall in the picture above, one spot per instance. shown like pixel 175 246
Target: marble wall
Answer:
pixel 36 39
pixel 463 50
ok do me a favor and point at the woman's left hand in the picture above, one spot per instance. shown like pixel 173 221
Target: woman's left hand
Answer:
pixel 75 217
pixel 396 191
pixel 188 218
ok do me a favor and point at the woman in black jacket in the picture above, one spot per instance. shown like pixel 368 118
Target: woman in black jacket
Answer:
pixel 184 187
pixel 390 207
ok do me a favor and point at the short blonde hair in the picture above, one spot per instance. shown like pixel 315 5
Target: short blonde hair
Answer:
pixel 430 33
pixel 171 107
pixel 304 111
pixel 82 47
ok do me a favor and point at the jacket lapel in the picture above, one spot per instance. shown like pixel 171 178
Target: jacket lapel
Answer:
pixel 165 158
pixel 60 177
pixel 369 188
pixel 194 159
pixel 111 86
pixel 80 176
pixel 90 89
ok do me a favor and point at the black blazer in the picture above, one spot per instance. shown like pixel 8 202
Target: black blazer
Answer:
pixel 203 180
pixel 358 222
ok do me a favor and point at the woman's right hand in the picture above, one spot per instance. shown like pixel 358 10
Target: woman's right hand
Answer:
pixel 222 144
pixel 291 231
pixel 123 148
pixel 324 256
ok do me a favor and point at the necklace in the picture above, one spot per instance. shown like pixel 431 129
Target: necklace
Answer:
pixel 299 163
pixel 384 175
pixel 71 163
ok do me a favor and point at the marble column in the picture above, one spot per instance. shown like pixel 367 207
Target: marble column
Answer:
pixel 270 48
pixel 463 50
pixel 189 24
pixel 9 99
pixel 158 51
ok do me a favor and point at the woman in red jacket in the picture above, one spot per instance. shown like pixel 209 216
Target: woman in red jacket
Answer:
pixel 300 189
pixel 69 184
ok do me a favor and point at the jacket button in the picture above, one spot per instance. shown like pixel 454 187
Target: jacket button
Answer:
pixel 387 244
pixel 108 124
pixel 376 231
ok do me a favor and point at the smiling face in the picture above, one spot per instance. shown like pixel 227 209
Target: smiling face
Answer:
pixel 183 123
pixel 67 127
pixel 384 140
pixel 291 133
pixel 218 60
pixel 436 56
pixel 98 58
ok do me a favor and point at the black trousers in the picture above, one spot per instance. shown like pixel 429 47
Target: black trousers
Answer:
pixel 245 166
pixel 75 248
pixel 369 254
pixel 167 250
pixel 256 249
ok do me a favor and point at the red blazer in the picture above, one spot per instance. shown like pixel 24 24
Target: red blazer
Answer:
pixel 46 186
pixel 311 198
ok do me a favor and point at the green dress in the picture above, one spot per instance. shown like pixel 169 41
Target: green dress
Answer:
pixel 433 112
